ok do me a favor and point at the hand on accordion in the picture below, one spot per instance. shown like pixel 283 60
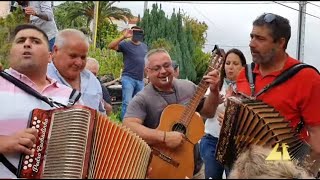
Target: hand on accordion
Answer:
pixel 174 139
pixel 21 142
pixel 220 117
pixel 221 98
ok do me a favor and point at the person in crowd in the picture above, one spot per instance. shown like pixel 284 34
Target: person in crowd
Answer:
pixel 41 15
pixel 93 66
pixel 298 97
pixel 144 111
pixel 233 64
pixel 28 59
pixel 69 58
pixel 252 164
pixel 134 51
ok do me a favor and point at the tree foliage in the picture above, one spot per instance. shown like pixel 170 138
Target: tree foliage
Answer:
pixel 110 61
pixel 78 15
pixel 70 12
pixel 61 16
pixel 7 26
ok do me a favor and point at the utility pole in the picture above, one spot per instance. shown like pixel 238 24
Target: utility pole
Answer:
pixel 145 6
pixel 301 29
pixel 95 24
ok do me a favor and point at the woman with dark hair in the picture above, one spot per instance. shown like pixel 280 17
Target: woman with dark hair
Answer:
pixel 235 61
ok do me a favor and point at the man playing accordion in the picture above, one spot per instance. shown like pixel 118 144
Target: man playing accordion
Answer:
pixel 297 98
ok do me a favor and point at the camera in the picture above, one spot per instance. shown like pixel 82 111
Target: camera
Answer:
pixel 16 4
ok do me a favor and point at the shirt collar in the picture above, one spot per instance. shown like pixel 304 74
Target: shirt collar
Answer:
pixel 27 80
pixel 289 62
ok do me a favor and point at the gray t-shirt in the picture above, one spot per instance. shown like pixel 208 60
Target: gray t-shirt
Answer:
pixel 149 103
pixel 133 59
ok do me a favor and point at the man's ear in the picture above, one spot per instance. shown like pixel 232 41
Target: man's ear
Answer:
pixel 282 42
pixel 50 57
pixel 146 71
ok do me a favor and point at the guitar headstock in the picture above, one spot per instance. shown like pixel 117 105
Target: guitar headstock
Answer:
pixel 217 58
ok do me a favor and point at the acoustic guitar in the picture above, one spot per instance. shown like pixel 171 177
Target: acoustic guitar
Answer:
pixel 178 163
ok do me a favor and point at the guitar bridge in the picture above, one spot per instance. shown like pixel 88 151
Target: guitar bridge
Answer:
pixel 164 157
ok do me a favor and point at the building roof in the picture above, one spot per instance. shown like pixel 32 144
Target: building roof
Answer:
pixel 133 20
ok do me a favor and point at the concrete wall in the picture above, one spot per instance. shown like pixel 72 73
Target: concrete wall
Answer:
pixel 4 8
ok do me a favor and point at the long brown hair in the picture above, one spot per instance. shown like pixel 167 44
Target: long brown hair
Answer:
pixel 223 71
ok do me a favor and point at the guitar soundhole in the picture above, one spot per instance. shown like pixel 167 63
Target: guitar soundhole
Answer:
pixel 179 127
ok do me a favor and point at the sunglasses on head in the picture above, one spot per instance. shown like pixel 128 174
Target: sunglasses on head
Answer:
pixel 268 18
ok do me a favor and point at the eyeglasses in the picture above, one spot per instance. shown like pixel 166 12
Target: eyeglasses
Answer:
pixel 166 66
pixel 268 18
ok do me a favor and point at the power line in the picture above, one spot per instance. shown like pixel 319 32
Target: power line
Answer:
pixel 313 4
pixel 297 10
pixel 194 7
pixel 190 2
pixel 225 45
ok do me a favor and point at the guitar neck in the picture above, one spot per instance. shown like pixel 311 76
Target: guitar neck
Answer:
pixel 195 100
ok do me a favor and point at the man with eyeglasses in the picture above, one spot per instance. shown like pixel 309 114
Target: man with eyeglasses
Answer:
pixel 144 111
pixel 298 97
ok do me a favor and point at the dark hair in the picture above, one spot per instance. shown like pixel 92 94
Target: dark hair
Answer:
pixel 242 60
pixel 29 26
pixel 279 26
pixel 136 27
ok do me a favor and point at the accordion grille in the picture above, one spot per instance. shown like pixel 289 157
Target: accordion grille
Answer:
pixel 67 144
pixel 80 143
pixel 249 122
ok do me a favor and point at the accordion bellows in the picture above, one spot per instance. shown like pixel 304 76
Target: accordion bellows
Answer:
pixel 249 122
pixel 79 142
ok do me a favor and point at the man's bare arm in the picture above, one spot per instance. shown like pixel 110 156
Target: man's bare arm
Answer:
pixel 171 139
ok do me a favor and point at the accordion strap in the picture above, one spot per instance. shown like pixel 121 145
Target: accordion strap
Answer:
pixel 7 164
pixel 284 76
pixel 251 77
pixel 74 97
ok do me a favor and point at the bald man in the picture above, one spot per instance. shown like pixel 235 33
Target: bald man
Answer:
pixel 93 66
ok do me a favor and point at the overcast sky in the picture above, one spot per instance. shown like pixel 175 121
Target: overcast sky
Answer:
pixel 230 22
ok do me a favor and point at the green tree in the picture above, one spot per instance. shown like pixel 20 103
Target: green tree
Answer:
pixel 106 11
pixel 106 34
pixel 110 61
pixel 161 43
pixel 198 30
pixel 7 26
pixel 161 31
pixel 63 21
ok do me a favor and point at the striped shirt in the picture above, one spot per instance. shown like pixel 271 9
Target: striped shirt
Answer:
pixel 91 91
pixel 16 106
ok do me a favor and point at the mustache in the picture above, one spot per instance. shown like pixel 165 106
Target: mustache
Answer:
pixel 254 51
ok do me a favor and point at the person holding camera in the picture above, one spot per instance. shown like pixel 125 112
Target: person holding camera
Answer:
pixel 134 51
pixel 41 15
